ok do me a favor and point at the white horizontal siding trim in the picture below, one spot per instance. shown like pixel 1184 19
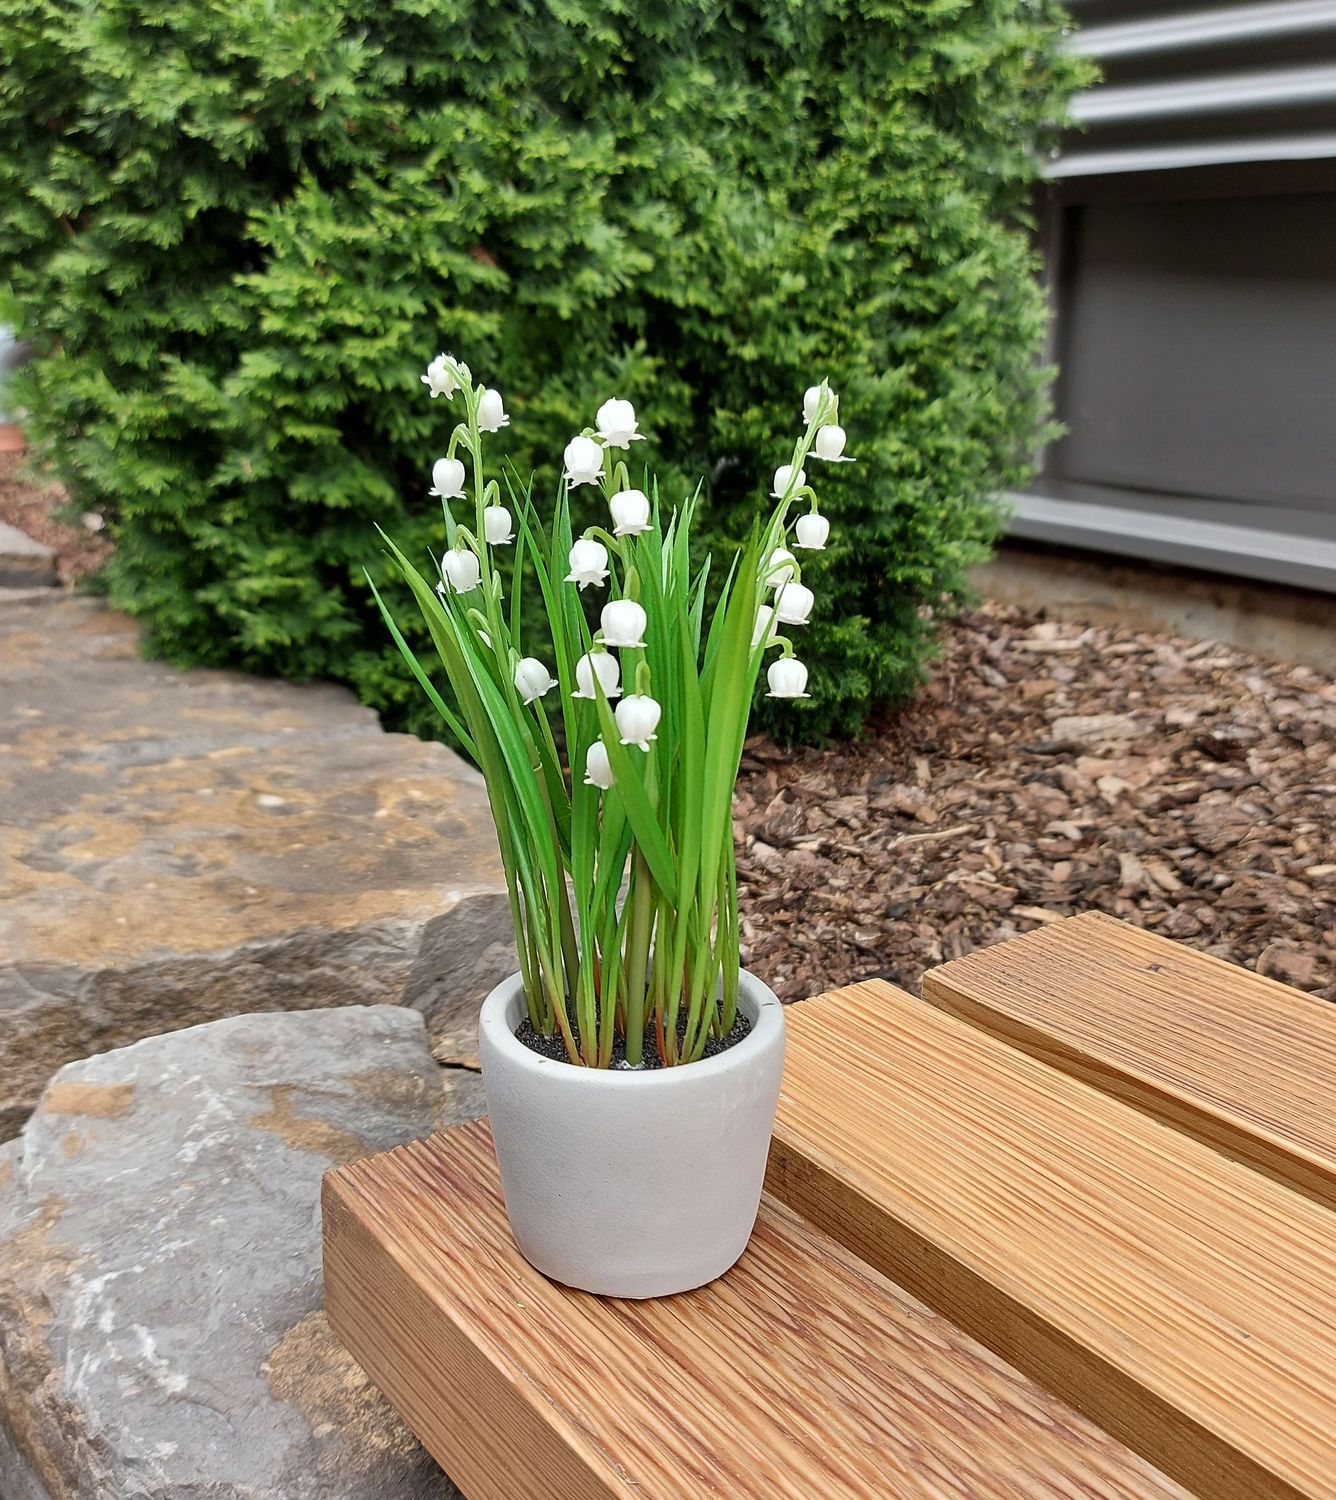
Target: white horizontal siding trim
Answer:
pixel 1234 23
pixel 1283 87
pixel 1072 164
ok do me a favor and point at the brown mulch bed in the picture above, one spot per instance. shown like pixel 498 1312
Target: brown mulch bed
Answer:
pixel 1050 769
pixel 30 504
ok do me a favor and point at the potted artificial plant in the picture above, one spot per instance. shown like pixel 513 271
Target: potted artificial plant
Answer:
pixel 631 1066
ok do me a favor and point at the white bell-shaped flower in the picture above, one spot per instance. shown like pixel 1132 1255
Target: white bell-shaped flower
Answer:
pixel 584 461
pixel 764 630
pixel 623 623
pixel 532 679
pixel 588 562
pixel 447 479
pixel 829 444
pixel 630 512
pixel 637 718
pixel 460 570
pixel 441 378
pixel 491 411
pixel 598 768
pixel 811 403
pixel 793 603
pixel 781 568
pixel 811 532
pixel 603 666
pixel 616 423
pixel 784 479
pixel 787 678
pixel 497 526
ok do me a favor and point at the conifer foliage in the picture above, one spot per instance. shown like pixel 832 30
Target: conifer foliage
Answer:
pixel 234 227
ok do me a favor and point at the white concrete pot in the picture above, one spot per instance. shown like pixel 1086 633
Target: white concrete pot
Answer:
pixel 632 1184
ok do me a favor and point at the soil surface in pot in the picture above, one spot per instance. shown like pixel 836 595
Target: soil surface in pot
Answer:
pixel 553 1046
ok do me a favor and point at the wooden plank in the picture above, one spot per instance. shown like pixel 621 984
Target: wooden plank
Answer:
pixel 802 1375
pixel 1241 1062
pixel 1185 1302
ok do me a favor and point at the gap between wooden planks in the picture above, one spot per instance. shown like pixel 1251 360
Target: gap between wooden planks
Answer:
pixel 1185 1302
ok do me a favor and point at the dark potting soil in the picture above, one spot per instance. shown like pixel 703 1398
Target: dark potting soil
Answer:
pixel 553 1046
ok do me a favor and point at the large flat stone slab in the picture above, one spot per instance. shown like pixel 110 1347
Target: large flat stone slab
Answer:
pixel 181 846
pixel 161 1323
pixel 24 563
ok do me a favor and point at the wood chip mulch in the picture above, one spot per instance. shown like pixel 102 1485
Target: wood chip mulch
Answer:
pixel 1050 769
pixel 31 504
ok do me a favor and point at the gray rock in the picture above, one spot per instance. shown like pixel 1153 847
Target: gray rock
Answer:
pixel 183 846
pixel 161 1332
pixel 25 563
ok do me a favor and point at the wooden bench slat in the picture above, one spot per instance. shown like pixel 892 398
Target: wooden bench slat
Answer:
pixel 1184 1301
pixel 1241 1062
pixel 802 1375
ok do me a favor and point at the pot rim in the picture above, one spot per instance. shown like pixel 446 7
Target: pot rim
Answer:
pixel 496 1029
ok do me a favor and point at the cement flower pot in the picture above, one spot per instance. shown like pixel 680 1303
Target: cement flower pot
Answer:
pixel 632 1184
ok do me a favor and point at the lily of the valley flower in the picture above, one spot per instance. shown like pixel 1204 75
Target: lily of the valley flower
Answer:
pixel 637 718
pixel 441 379
pixel 603 666
pixel 811 402
pixel 765 626
pixel 588 562
pixel 598 768
pixel 781 568
pixel 787 678
pixel 623 622
pixel 491 412
pixel 460 570
pixel 630 512
pixel 793 603
pixel 784 477
pixel 532 679
pixel 811 531
pixel 616 422
pixel 497 526
pixel 447 479
pixel 829 444
pixel 584 461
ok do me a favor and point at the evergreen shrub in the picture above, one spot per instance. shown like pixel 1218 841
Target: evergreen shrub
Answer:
pixel 238 229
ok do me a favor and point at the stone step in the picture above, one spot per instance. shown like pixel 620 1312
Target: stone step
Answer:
pixel 25 563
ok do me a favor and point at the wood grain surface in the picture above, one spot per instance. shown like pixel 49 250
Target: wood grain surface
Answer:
pixel 801 1375
pixel 1241 1062
pixel 1183 1300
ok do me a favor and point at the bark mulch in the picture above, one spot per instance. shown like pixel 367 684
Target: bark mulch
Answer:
pixel 31 505
pixel 1046 770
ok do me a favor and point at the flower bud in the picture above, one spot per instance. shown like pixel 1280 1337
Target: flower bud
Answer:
pixel 603 666
pixel 630 512
pixel 637 718
pixel 491 412
pixel 784 475
pixel 782 568
pixel 623 622
pixel 496 525
pixel 811 531
pixel 441 378
pixel 598 768
pixel 532 679
pixel 765 626
pixel 447 479
pixel 588 562
pixel 829 444
pixel 787 678
pixel 584 461
pixel 793 603
pixel 460 570
pixel 811 403
pixel 616 423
